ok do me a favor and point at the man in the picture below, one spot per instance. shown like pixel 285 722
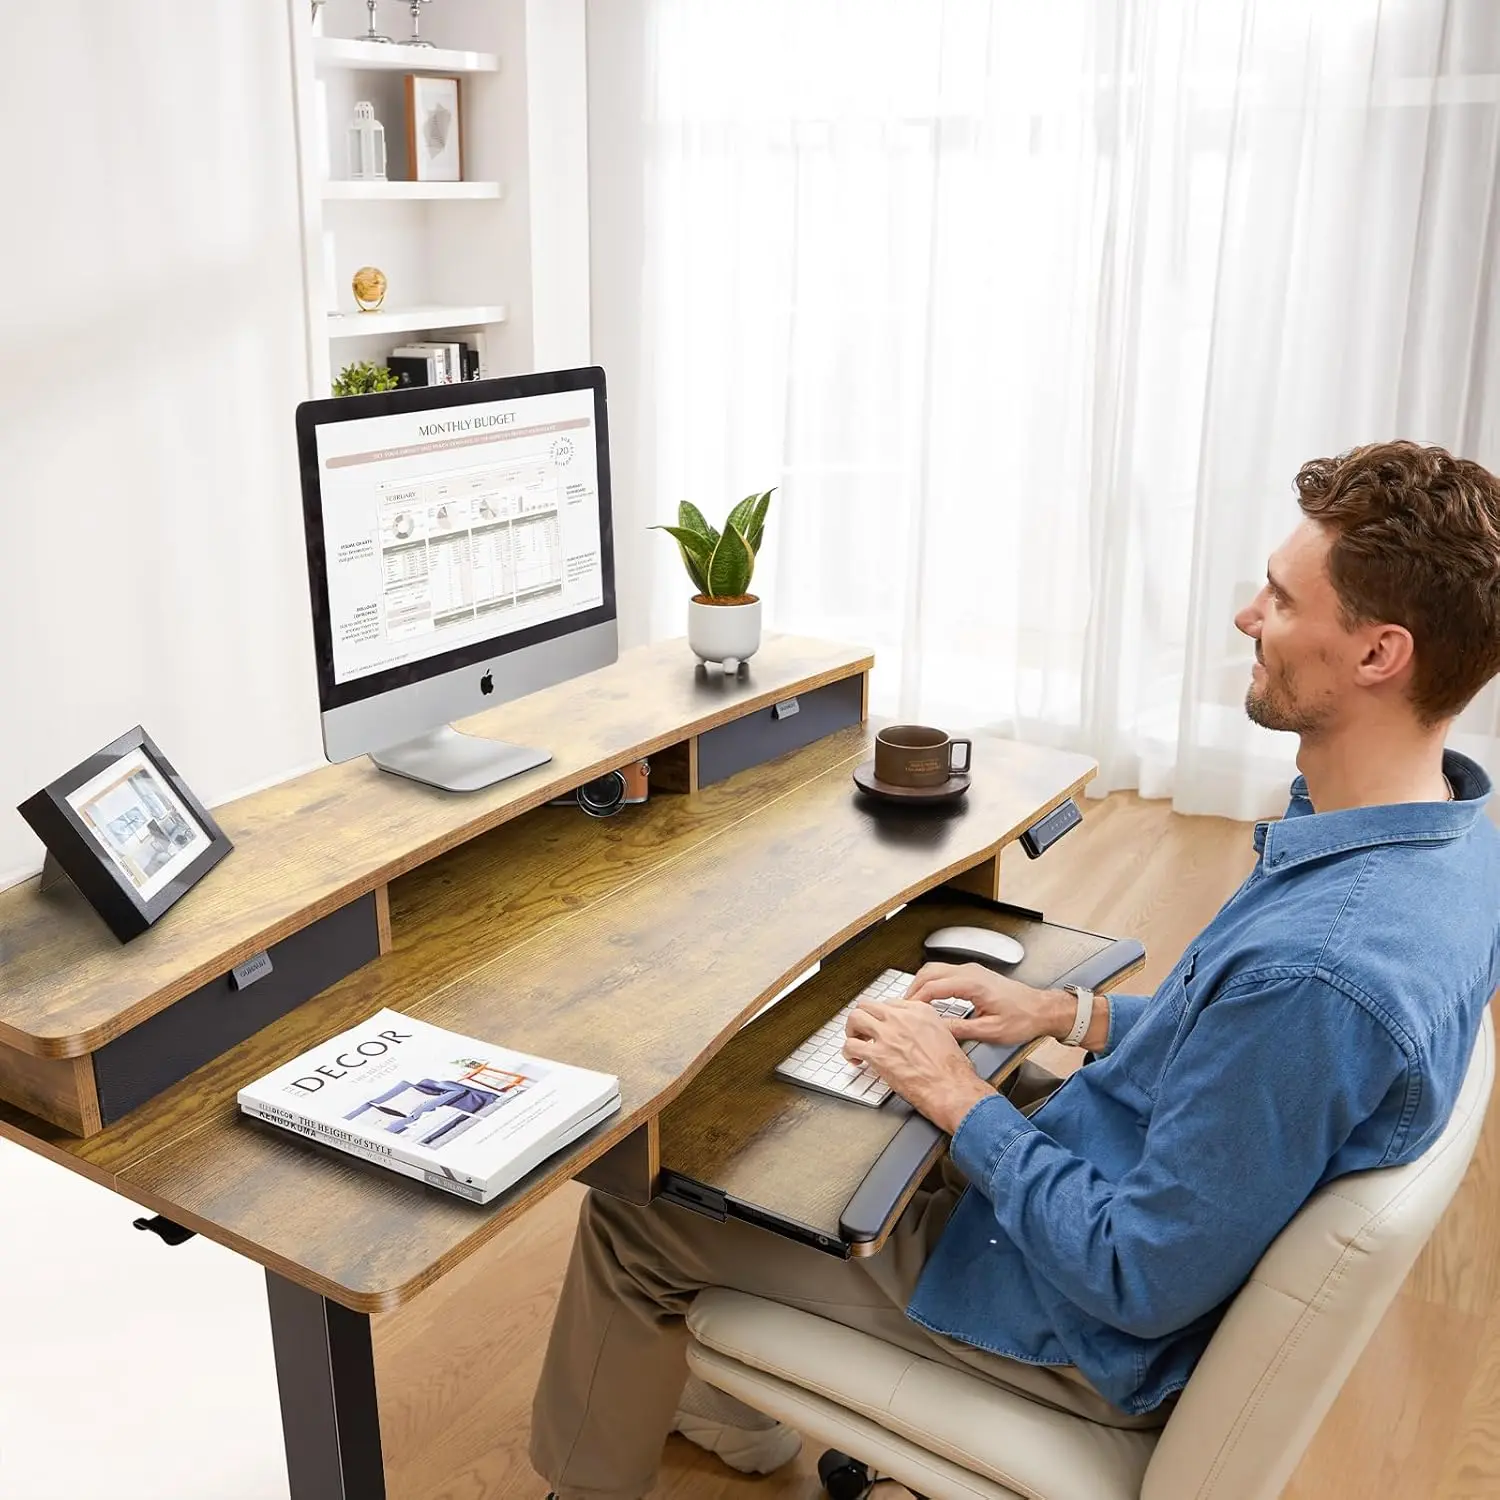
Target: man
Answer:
pixel 1083 1253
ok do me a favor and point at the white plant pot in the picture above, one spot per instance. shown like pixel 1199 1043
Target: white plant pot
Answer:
pixel 724 633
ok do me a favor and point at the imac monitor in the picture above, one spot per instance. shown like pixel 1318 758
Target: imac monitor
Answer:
pixel 459 553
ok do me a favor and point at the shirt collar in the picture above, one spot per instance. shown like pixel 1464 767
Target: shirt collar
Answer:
pixel 1304 833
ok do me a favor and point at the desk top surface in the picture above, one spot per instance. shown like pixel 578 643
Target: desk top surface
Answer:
pixel 638 946
pixel 309 845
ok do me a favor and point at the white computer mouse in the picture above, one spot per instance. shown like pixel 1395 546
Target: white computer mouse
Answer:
pixel 977 944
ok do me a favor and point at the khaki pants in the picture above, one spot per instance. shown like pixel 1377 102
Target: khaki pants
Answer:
pixel 615 1364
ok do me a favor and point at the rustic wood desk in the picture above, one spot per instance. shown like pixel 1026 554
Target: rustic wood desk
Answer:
pixel 639 945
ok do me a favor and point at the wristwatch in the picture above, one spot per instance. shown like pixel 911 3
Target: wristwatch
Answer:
pixel 1085 999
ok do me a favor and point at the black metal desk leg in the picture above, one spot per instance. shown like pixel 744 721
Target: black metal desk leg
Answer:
pixel 325 1369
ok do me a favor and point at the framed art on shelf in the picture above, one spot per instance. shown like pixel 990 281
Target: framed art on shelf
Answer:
pixel 127 830
pixel 434 145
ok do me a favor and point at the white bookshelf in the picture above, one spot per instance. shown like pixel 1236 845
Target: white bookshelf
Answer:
pixel 488 256
pixel 360 325
pixel 392 57
pixel 345 190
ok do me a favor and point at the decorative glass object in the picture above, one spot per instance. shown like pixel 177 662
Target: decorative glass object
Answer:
pixel 369 288
pixel 416 39
pixel 366 145
pixel 371 34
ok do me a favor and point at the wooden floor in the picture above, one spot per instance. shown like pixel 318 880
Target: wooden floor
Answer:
pixel 1418 1420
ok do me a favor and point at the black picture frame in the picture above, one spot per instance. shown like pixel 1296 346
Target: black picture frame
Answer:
pixel 127 830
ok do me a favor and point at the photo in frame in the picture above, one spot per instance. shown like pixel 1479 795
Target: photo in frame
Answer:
pixel 434 144
pixel 127 830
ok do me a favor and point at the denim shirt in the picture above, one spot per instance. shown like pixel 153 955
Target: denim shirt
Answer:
pixel 1321 1024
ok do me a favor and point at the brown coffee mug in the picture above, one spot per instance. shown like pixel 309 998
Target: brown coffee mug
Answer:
pixel 915 755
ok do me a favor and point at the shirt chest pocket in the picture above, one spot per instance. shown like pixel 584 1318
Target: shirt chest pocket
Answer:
pixel 1154 1039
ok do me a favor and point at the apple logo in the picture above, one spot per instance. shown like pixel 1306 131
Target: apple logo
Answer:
pixel 487 683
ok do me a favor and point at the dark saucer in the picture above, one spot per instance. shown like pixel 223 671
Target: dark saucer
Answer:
pixel 865 779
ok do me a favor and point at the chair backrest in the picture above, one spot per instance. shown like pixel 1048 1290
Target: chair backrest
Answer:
pixel 1294 1332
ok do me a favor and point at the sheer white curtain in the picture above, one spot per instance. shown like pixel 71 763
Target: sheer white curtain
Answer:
pixel 1032 312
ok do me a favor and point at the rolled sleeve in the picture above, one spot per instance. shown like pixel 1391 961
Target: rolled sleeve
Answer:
pixel 1124 1012
pixel 983 1137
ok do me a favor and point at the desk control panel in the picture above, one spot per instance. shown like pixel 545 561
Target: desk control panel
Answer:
pixel 1046 831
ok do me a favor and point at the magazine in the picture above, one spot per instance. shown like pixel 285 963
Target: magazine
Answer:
pixel 452 1111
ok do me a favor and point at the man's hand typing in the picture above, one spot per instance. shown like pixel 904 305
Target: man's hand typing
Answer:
pixel 912 1048
pixel 1005 1010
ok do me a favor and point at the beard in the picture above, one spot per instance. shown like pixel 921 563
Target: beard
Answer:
pixel 1275 703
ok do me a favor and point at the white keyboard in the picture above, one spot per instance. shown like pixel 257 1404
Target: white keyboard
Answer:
pixel 819 1063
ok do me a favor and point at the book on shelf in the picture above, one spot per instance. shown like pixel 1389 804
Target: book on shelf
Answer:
pixel 439 364
pixel 449 1110
pixel 476 359
pixel 448 354
pixel 413 367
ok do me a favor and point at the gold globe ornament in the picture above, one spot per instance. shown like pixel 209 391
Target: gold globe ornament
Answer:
pixel 369 288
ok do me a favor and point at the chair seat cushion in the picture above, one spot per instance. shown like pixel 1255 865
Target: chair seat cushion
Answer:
pixel 965 1418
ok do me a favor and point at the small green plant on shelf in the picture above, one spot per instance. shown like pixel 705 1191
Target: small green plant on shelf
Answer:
pixel 362 378
pixel 721 563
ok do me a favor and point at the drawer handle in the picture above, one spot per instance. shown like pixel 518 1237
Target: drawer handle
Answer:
pixel 786 708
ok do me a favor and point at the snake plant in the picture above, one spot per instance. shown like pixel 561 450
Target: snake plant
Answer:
pixel 721 563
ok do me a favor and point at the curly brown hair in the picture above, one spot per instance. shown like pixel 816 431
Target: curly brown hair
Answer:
pixel 1416 544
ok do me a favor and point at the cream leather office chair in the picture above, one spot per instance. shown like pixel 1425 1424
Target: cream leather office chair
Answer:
pixel 1285 1347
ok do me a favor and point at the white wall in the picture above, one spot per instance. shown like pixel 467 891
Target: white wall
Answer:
pixel 617 78
pixel 151 569
pixel 151 354
pixel 558 144
pixel 132 1371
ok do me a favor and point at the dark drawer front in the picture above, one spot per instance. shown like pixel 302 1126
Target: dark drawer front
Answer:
pixel 762 736
pixel 159 1052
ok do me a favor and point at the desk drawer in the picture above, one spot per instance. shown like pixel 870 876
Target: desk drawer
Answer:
pixel 163 1050
pixel 764 735
pixel 833 1174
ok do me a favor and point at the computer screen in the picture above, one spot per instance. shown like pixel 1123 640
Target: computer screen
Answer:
pixel 460 554
pixel 457 526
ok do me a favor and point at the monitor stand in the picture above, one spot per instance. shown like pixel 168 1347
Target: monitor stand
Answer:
pixel 456 762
